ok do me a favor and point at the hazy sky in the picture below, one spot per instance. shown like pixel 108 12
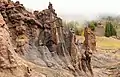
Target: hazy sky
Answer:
pixel 75 9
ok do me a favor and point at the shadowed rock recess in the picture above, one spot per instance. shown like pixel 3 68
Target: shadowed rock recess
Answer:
pixel 37 45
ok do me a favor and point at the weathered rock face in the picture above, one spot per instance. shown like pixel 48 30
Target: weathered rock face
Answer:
pixel 7 59
pixel 41 39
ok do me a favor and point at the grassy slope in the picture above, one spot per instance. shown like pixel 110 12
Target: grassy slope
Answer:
pixel 105 43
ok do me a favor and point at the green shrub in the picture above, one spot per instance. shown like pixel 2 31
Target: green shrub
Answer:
pixel 92 26
pixel 78 31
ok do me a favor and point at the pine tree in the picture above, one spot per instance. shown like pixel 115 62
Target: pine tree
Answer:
pixel 107 34
pixel 109 30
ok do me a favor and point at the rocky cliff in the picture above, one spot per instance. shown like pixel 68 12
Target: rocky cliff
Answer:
pixel 37 45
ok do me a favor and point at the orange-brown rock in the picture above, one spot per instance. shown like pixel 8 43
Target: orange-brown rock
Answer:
pixel 40 38
pixel 7 59
pixel 90 39
pixel 6 1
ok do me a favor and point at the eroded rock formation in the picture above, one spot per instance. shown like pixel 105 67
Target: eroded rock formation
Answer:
pixel 40 38
pixel 7 59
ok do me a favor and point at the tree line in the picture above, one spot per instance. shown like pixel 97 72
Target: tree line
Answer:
pixel 78 28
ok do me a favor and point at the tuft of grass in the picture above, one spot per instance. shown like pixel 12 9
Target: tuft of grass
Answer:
pixel 22 38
